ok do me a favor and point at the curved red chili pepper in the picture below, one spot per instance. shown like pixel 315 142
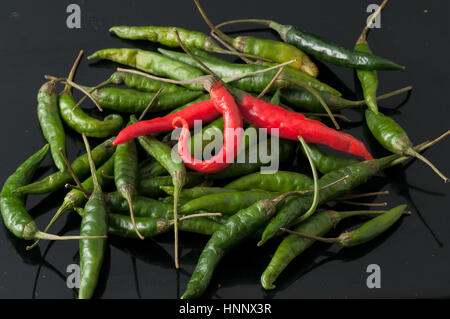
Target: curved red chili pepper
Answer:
pixel 224 103
pixel 291 125
pixel 204 111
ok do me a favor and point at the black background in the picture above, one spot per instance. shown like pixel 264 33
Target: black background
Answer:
pixel 414 256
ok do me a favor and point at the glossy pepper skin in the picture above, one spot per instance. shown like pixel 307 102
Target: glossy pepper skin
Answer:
pixel 132 101
pixel 93 223
pixel 80 166
pixel 151 62
pixel 326 51
pixel 14 213
pixel 227 203
pixel 279 181
pixel 80 122
pixel 51 123
pixel 276 51
pixel 254 83
pixel 151 186
pixel 224 103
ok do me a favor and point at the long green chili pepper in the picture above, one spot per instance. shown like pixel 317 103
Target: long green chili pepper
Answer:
pixel 254 83
pixel 227 203
pixel 50 122
pixel 76 198
pixel 80 166
pixel 151 186
pixel 14 213
pixel 132 101
pixel 292 211
pixel 196 192
pixel 326 163
pixel 279 181
pixel 366 232
pixel 78 120
pixel 394 138
pixel 93 223
pixel 323 50
pixel 154 209
pixel 126 174
pixel 319 224
pixel 153 63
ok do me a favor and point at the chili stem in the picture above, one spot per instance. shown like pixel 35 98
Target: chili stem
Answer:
pixel 81 189
pixel 106 175
pixel 211 25
pixel 67 87
pixel 229 47
pixel 72 172
pixel 372 21
pixel 339 116
pixel 151 103
pixel 85 92
pixel 199 215
pixel 412 152
pixel 363 195
pixel 322 239
pixel 270 83
pixel 363 204
pixel 95 88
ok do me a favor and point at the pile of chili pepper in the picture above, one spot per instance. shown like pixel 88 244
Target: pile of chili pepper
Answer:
pixel 136 184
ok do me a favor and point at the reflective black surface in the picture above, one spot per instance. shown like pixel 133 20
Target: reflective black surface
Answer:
pixel 414 256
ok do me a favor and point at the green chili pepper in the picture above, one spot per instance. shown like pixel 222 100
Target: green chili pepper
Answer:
pixel 78 120
pixel 94 223
pixel 367 231
pixel 292 211
pixel 14 213
pixel 153 63
pixel 394 138
pixel 368 79
pixel 323 50
pixel 151 186
pixel 196 192
pixel 255 83
pixel 280 181
pixel 200 139
pixel 227 203
pixel 50 122
pixel 326 163
pixel 147 208
pixel 141 83
pixel 318 225
pixel 80 166
pixel 132 101
pixel 126 174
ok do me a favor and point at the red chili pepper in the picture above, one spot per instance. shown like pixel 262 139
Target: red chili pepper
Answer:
pixel 260 114
pixel 204 111
pixel 224 103
pixel 291 125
